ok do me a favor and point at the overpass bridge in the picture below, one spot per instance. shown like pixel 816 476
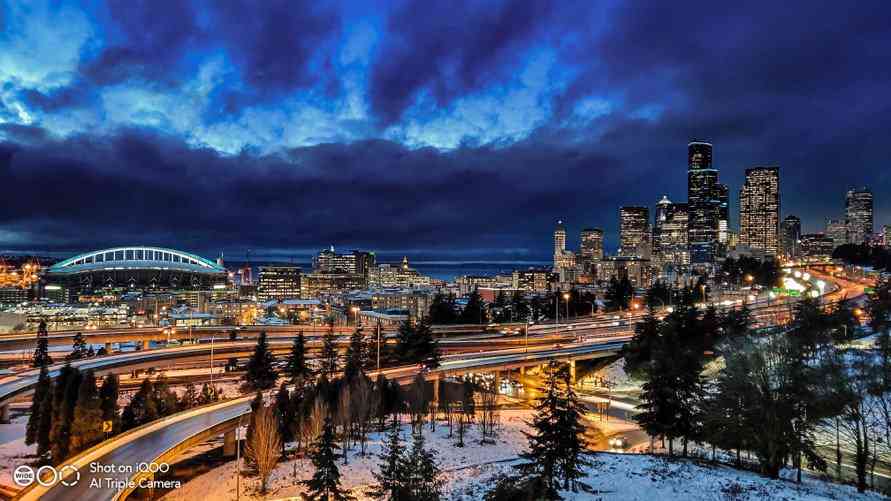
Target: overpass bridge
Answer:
pixel 166 439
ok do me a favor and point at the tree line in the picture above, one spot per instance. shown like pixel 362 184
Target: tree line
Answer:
pixel 775 394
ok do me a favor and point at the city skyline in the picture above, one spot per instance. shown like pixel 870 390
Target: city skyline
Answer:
pixel 128 125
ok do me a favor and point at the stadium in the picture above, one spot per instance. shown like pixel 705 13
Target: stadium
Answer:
pixel 124 269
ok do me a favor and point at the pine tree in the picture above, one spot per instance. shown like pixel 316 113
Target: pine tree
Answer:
pixel 356 357
pixel 405 343
pixel 44 386
pixel 165 399
pixel 426 349
pixel 573 455
pixel 44 427
pixel 189 398
pixel 208 394
pixel 108 394
pixel 284 413
pixel 65 400
pixel 475 311
pixel 78 347
pixel 41 356
pixel 543 456
pixel 86 427
pixel 297 368
pixel 422 480
pixel 142 407
pixel 442 310
pixel 260 373
pixel 329 353
pixel 325 482
pixel 391 477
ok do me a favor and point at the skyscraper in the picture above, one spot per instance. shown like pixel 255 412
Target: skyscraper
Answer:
pixel 723 213
pixel 634 231
pixel 564 260
pixel 704 203
pixel 790 234
pixel 759 209
pixel 837 232
pixel 858 215
pixel 670 244
pixel 591 248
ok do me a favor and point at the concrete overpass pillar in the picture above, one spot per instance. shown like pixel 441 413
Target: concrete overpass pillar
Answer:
pixel 107 347
pixel 4 413
pixel 523 370
pixel 497 382
pixel 145 344
pixel 229 444
pixel 436 383
pixel 572 370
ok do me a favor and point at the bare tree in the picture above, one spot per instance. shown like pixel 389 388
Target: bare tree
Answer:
pixel 264 444
pixel 489 416
pixel 362 405
pixel 345 417
pixel 312 426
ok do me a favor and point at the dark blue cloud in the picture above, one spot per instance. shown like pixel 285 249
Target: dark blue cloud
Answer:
pixel 454 125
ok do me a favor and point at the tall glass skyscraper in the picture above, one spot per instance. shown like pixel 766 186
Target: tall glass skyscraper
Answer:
pixel 790 234
pixel 759 210
pixel 634 231
pixel 858 215
pixel 704 195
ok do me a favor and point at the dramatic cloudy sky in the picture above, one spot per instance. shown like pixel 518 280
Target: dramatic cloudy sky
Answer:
pixel 437 128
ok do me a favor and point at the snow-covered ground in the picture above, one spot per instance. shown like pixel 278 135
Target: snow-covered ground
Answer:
pixel 470 471
pixel 13 451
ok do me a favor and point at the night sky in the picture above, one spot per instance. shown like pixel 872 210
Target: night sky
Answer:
pixel 458 130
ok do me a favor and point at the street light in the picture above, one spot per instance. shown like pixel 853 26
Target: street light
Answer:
pixel 566 298
pixel 355 310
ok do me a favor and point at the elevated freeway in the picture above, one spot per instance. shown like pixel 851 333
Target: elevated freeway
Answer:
pixel 164 440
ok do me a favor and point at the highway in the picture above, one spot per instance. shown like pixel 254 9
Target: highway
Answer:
pixel 153 441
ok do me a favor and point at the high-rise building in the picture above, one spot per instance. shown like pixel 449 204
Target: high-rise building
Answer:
pixel 356 262
pixel 564 260
pixel 858 215
pixel 670 244
pixel 836 230
pixel 816 245
pixel 790 234
pixel 278 282
pixel 723 213
pixel 634 231
pixel 704 203
pixel 759 210
pixel 591 248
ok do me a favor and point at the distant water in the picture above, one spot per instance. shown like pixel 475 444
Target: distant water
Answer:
pixel 442 270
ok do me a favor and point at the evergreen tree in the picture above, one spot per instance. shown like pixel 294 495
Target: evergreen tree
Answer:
pixel 165 399
pixel 391 477
pixel 543 456
pixel 422 480
pixel 108 395
pixel 86 427
pixel 573 455
pixel 658 295
pixel 475 311
pixel 44 386
pixel 260 373
pixel 284 414
pixel 325 482
pixel 639 350
pixel 41 356
pixel 736 322
pixel 405 343
pixel 297 368
pixel 520 307
pixel 189 398
pixel 64 400
pixel 78 348
pixel 45 425
pixel 356 357
pixel 142 407
pixel 442 310
pixel 329 353
pixel 618 294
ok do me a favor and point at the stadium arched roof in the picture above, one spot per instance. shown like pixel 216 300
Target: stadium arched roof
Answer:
pixel 129 258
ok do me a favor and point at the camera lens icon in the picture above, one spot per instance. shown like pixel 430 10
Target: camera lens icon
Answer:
pixel 69 475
